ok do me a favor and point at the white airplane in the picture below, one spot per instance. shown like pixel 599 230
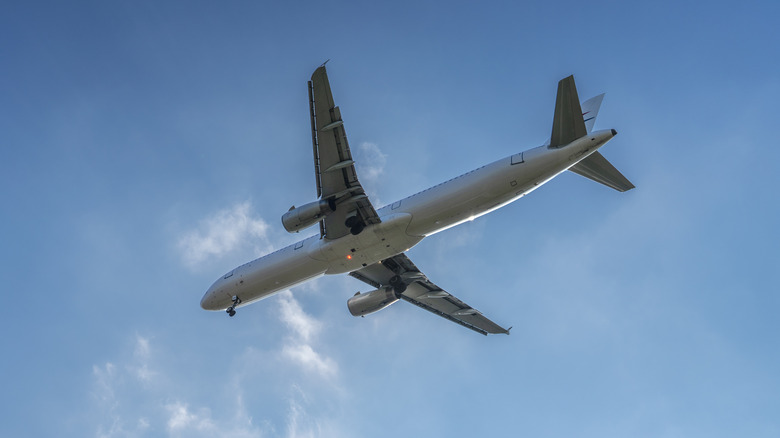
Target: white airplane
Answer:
pixel 369 244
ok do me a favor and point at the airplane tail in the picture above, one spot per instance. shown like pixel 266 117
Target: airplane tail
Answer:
pixel 568 123
pixel 597 168
pixel 572 121
pixel 590 109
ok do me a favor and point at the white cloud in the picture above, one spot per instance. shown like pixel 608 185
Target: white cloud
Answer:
pixel 226 231
pixel 180 419
pixel 141 355
pixel 104 377
pixel 299 423
pixel 372 161
pixel 107 379
pixel 294 317
pixel 127 406
pixel 143 424
pixel 141 347
pixel 133 396
pixel 297 347
pixel 304 355
pixel 185 422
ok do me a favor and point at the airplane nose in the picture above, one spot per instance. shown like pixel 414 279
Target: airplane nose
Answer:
pixel 210 300
pixel 204 302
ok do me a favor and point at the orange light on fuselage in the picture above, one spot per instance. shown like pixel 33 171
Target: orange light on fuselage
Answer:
pixel 349 256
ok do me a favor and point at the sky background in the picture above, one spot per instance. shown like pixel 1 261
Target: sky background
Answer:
pixel 149 147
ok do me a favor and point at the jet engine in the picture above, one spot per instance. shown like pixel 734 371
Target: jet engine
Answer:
pixel 298 218
pixel 370 302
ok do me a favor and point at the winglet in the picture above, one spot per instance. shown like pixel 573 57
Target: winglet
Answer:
pixel 568 123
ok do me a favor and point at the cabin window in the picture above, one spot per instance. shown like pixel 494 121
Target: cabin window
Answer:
pixel 299 245
pixel 517 158
pixel 395 205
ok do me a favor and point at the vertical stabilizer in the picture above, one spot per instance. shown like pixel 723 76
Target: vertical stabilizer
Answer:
pixel 568 123
pixel 590 109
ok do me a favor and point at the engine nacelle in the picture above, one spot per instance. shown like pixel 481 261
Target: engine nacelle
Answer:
pixel 305 216
pixel 370 302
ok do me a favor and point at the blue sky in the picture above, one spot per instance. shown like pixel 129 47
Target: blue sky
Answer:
pixel 148 147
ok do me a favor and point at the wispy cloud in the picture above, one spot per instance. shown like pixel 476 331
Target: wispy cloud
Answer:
pixel 225 231
pixel 142 355
pixel 299 423
pixel 127 406
pixel 304 328
pixel 134 396
pixel 371 162
pixel 302 325
pixel 304 355
pixel 180 418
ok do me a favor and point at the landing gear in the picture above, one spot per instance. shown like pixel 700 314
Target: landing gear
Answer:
pixel 351 221
pixel 398 285
pixel 355 225
pixel 232 309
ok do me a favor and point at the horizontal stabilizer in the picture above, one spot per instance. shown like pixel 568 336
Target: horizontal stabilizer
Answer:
pixel 597 168
pixel 568 123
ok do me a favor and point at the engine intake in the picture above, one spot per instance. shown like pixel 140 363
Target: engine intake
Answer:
pixel 370 302
pixel 306 215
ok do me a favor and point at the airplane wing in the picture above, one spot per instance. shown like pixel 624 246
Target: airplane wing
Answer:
pixel 423 293
pixel 334 168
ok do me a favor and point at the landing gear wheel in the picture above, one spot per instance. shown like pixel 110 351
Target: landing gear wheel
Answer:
pixel 232 309
pixel 351 221
pixel 357 229
pixel 398 285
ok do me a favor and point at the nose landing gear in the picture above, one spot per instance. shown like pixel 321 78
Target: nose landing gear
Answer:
pixel 232 309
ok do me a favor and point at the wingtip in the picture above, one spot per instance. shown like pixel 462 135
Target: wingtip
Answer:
pixel 566 79
pixel 321 68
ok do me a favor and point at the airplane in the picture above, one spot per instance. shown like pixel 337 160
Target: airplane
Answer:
pixel 370 244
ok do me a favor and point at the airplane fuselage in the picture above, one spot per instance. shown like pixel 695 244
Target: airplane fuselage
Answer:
pixel 403 223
